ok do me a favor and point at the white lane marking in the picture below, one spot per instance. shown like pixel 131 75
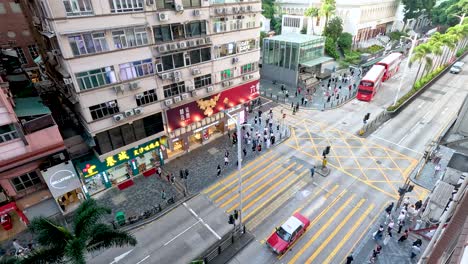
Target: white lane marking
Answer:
pixel 181 233
pixel 388 141
pixel 419 106
pixel 120 257
pixel 403 138
pixel 446 108
pixel 145 258
pixel 201 220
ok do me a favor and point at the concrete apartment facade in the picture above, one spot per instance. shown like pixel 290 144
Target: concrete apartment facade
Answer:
pixel 149 79
pixel 364 19
pixel 30 142
pixel 16 35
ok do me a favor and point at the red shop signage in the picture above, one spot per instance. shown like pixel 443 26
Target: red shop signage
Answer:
pixel 184 115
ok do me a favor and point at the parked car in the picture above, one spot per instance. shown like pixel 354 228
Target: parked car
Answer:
pixel 285 235
pixel 457 67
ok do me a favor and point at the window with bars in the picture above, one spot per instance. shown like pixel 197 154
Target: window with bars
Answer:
pixel 78 7
pixel 227 74
pixel 7 133
pixel 105 109
pixel 149 96
pixel 26 181
pixel 33 51
pixel 220 25
pixel 174 89
pixel 202 81
pixel 165 4
pixel 177 60
pixel 236 24
pixel 96 78
pixel 191 3
pixel 250 67
pixel 21 56
pixel 124 6
pixel 88 43
pixel 196 29
pixel 135 69
pixel 130 37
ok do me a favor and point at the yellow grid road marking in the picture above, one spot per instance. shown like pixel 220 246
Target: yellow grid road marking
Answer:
pixel 212 187
pixel 349 174
pixel 364 232
pixel 279 200
pixel 348 234
pixel 335 231
pixel 251 203
pixel 258 188
pixel 322 229
pixel 236 180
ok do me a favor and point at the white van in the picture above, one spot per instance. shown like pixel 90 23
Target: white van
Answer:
pixel 457 67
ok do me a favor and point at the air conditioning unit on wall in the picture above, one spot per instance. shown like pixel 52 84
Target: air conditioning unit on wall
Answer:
pixel 209 89
pixel 168 102
pixel 118 117
pixel 163 17
pixel 138 110
pixel 177 99
pixel 128 113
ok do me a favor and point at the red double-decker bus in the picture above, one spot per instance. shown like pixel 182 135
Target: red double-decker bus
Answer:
pixel 370 83
pixel 391 64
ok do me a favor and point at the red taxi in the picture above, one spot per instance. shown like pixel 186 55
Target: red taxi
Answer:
pixel 288 233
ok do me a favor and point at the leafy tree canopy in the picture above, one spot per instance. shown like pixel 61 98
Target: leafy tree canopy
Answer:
pixel 345 40
pixel 334 28
pixel 415 8
pixel 444 14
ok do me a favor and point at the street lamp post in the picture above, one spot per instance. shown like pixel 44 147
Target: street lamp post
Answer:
pixel 462 17
pixel 413 43
pixel 239 160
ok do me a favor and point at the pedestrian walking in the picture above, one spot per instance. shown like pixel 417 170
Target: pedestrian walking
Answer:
pixel 389 208
pixel 297 107
pixel 260 120
pixel 418 205
pixel 312 171
pixel 415 250
pixel 305 102
pixel 349 258
pixel 436 170
pixel 168 177
pixel 390 226
pixel 328 99
pixel 163 194
pixel 292 105
pixel 259 147
pixel 379 233
pixel 404 236
pixel 159 171
pixel 245 151
pixel 406 202
pixel 295 94
pixel 226 161
pixel 255 120
pixel 218 170
pixel 302 100
pixel 417 242
pixel 226 153
pixel 172 179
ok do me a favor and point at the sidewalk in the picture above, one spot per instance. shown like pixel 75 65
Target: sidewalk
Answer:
pixel 394 251
pixel 202 166
pixel 317 99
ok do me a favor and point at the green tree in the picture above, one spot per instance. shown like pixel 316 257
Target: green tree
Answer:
pixel 330 48
pixel 327 9
pixel 444 13
pixel 312 12
pixel 345 41
pixel 59 244
pixel 420 53
pixel 415 8
pixel 262 36
pixel 334 28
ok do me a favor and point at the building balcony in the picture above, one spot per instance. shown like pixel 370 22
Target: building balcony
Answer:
pixel 41 138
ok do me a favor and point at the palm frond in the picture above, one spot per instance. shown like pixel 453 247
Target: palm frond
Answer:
pixel 48 233
pixel 75 251
pixel 87 215
pixel 43 256
pixel 8 260
pixel 103 236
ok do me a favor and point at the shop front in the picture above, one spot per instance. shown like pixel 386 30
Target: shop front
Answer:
pixel 12 220
pixel 118 170
pixel 65 186
pixel 198 122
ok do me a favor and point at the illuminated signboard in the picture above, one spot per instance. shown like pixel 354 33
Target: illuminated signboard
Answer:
pixel 94 165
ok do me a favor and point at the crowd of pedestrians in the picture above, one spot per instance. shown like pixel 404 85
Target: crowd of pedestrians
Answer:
pixel 395 227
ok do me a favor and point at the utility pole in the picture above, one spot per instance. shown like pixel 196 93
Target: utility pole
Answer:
pixel 462 17
pixel 405 71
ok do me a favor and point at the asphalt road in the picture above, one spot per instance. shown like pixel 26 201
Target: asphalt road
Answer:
pixel 365 176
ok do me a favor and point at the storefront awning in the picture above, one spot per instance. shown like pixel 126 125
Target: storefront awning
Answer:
pixel 316 61
pixel 61 179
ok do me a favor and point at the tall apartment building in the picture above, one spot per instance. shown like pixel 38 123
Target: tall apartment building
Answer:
pixel 149 79
pixel 16 35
